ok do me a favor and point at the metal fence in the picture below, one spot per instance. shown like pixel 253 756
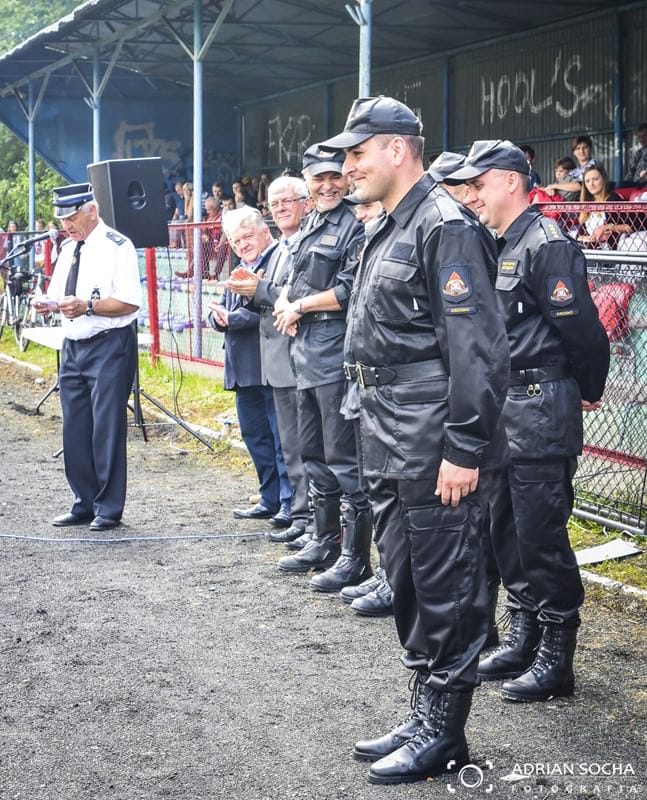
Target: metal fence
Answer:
pixel 611 481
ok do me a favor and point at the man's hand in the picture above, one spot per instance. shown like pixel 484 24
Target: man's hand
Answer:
pixel 220 313
pixel 245 286
pixel 72 307
pixel 454 483
pixel 586 406
pixel 287 319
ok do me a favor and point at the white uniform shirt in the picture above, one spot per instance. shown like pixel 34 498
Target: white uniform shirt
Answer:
pixel 108 268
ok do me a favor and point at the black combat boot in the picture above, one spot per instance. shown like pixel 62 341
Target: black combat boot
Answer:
pixel 492 630
pixel 301 541
pixel 517 649
pixel 324 548
pixel 378 603
pixel 438 746
pixel 354 564
pixel 551 674
pixel 350 593
pixel 374 749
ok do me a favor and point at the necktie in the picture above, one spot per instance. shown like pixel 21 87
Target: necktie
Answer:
pixel 500 243
pixel 73 274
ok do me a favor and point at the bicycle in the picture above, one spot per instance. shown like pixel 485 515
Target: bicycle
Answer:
pixel 14 305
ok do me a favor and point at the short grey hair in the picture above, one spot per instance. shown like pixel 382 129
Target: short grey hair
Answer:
pixel 246 217
pixel 288 183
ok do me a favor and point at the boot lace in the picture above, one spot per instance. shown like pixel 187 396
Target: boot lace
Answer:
pixel 433 723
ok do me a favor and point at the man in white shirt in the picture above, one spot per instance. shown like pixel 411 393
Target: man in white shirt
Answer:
pixel 96 288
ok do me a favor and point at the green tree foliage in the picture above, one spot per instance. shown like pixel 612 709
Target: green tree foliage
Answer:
pixel 18 21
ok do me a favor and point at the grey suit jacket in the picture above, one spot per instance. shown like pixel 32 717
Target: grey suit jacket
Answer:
pixel 276 363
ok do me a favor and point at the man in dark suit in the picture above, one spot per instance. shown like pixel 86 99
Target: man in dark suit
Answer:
pixel 252 242
pixel 288 202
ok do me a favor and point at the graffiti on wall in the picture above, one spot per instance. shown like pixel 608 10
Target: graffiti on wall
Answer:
pixel 288 138
pixel 139 141
pixel 565 92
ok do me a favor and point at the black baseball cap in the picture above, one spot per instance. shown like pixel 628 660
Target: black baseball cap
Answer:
pixel 491 154
pixel 445 164
pixel 317 160
pixel 67 200
pixel 370 116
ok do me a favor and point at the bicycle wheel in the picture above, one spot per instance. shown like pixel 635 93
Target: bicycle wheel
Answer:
pixel 28 320
pixel 19 308
pixel 4 300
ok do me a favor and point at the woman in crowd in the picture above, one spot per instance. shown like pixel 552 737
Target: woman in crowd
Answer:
pixel 600 228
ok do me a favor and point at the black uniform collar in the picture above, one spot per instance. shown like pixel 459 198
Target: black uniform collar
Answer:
pixel 404 210
pixel 515 232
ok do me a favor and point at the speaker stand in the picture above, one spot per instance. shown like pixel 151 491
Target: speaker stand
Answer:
pixel 138 414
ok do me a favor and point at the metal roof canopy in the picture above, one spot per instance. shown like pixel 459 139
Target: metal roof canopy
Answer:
pixel 255 48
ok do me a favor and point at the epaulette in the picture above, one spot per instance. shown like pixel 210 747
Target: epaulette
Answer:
pixel 115 237
pixel 553 232
pixel 449 211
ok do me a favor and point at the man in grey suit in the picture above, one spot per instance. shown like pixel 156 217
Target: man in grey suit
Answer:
pixel 288 202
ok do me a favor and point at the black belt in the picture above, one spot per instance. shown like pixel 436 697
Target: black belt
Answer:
pixel 321 316
pixel 526 377
pixel 379 376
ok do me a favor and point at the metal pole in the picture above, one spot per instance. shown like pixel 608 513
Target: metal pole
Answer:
pixel 96 107
pixel 361 16
pixel 197 178
pixel 365 48
pixel 618 160
pixel 31 163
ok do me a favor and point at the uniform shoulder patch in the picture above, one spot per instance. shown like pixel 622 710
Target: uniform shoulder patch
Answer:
pixel 553 232
pixel 115 237
pixel 560 290
pixel 455 283
pixel 449 211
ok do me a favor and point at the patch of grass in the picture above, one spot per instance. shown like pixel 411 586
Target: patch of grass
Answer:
pixel 633 570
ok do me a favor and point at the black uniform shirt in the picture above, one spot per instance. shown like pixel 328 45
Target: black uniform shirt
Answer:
pixel 423 293
pixel 544 297
pixel 324 256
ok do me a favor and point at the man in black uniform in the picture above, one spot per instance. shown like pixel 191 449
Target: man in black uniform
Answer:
pixel 431 359
pixel 559 358
pixel 96 288
pixel 312 308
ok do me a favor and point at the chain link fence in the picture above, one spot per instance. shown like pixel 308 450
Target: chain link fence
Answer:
pixel 611 482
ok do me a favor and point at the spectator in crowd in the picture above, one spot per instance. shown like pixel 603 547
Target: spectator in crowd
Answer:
pixel 312 308
pixel 179 212
pixel 240 196
pixel 238 319
pixel 228 204
pixel 582 149
pixel 564 172
pixel 13 238
pixel 288 199
pixel 217 192
pixel 600 228
pixel 187 194
pixel 636 174
pixel 39 247
pixel 529 153
pixel 211 238
pixel 170 203
pixel 262 188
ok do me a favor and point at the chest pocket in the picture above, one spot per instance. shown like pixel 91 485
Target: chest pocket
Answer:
pixel 323 266
pixel 507 283
pixel 399 292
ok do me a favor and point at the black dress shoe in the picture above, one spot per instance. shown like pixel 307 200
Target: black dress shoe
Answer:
pixel 65 520
pixel 100 523
pixel 282 518
pixel 259 511
pixel 288 534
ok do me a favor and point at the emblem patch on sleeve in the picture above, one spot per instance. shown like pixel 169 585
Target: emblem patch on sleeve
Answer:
pixel 455 283
pixel 455 288
pixel 560 290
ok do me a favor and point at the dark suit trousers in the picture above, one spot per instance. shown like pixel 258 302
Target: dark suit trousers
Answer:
pixel 260 432
pixel 95 380
pixel 285 403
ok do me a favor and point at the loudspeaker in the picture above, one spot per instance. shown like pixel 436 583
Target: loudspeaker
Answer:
pixel 130 194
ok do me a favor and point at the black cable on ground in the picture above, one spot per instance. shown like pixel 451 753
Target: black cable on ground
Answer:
pixel 129 539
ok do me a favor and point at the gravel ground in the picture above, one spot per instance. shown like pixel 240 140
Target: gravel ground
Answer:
pixel 148 665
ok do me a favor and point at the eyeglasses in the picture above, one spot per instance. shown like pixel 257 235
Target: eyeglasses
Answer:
pixel 279 203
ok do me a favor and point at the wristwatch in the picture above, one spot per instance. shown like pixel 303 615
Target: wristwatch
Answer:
pixel 90 310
